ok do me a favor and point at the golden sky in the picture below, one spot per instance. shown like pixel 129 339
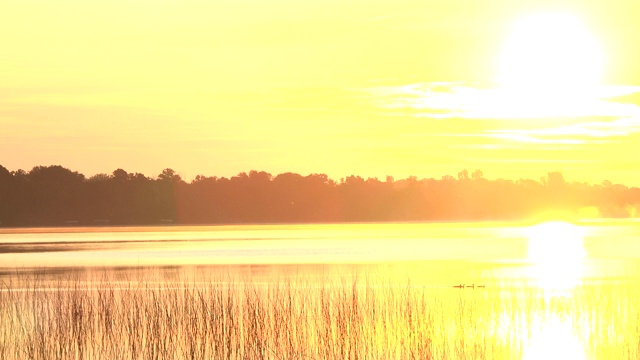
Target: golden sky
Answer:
pixel 372 88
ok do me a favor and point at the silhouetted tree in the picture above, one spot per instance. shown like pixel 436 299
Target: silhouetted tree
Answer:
pixel 6 202
pixel 52 195
pixel 55 193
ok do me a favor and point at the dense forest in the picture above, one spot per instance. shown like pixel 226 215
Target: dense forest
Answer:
pixel 54 196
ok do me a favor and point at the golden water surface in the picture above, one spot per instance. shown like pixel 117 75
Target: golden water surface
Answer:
pixel 489 290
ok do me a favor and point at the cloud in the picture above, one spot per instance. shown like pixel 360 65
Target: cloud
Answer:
pixel 592 132
pixel 501 118
pixel 580 133
pixel 456 100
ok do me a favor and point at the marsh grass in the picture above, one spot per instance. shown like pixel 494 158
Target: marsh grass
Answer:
pixel 103 316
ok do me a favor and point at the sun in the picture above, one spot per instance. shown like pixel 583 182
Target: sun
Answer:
pixel 550 52
pixel 556 253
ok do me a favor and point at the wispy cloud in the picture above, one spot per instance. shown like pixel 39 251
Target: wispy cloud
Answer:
pixel 580 133
pixel 592 132
pixel 455 100
pixel 556 117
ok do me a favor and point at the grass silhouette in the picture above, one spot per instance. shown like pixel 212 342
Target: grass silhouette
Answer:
pixel 101 315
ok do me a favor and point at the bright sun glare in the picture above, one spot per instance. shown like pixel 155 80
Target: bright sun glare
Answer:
pixel 550 52
pixel 554 339
pixel 556 252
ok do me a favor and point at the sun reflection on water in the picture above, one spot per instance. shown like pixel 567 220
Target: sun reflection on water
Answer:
pixel 556 252
pixel 554 338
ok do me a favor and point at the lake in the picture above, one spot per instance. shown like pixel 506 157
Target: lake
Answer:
pixel 447 290
pixel 434 253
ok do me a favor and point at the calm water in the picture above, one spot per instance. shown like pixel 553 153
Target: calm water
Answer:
pixel 490 290
pixel 439 254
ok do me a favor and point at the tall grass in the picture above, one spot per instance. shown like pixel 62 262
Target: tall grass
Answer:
pixel 101 316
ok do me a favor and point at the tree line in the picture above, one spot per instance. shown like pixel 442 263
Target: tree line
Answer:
pixel 54 196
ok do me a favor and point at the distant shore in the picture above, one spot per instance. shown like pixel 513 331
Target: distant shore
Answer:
pixel 56 196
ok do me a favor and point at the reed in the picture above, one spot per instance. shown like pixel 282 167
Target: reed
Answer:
pixel 102 316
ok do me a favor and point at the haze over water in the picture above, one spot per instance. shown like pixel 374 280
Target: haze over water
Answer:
pixel 443 254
